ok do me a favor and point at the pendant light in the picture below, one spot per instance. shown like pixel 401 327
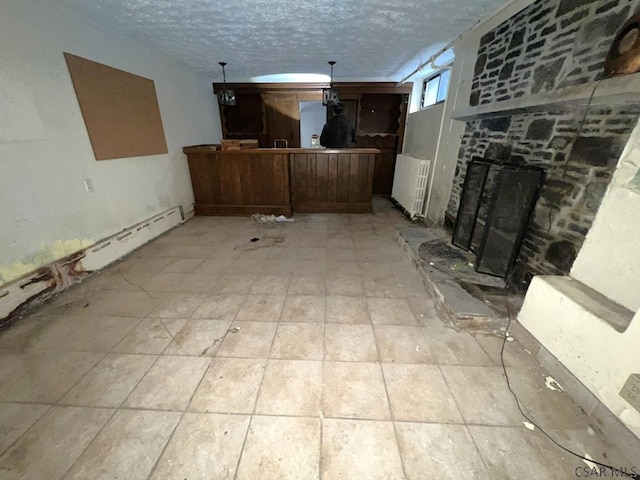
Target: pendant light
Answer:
pixel 330 96
pixel 225 95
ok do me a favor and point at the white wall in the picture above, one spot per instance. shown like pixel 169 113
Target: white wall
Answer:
pixel 465 51
pixel 609 260
pixel 45 153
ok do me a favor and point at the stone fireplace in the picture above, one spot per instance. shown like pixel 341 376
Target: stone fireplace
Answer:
pixel 538 99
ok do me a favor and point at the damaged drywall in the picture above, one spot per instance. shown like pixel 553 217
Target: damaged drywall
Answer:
pixel 47 254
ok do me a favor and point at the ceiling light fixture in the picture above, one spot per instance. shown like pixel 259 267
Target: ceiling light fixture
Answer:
pixel 330 96
pixel 225 96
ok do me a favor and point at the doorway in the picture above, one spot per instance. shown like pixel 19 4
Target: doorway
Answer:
pixel 313 116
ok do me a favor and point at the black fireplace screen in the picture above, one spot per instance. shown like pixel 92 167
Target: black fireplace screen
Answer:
pixel 512 199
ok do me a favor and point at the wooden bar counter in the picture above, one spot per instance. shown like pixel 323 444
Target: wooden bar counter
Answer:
pixel 281 180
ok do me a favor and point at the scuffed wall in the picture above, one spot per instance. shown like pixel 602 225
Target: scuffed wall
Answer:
pixel 46 211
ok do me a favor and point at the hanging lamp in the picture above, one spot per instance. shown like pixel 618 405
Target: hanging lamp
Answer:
pixel 330 96
pixel 225 96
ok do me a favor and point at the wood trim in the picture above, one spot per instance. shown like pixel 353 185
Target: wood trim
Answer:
pixel 240 210
pixel 322 207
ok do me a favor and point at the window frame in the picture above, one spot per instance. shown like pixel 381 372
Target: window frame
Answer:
pixel 439 75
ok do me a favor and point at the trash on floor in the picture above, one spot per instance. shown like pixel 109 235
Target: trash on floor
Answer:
pixel 552 384
pixel 529 426
pixel 234 330
pixel 262 218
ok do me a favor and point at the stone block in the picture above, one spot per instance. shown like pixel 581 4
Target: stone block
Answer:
pixel 567 6
pixel 544 76
pixel 506 71
pixel 540 129
pixel 598 151
pixel 500 124
pixel 604 26
pixel 481 61
pixel 517 39
pixel 561 255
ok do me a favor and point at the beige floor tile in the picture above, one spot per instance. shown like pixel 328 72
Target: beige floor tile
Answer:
pixel 271 285
pixel 169 384
pixel 118 304
pixel 203 446
pixel 153 264
pixel 482 395
pixel 341 254
pixel 197 283
pixel 342 243
pixel 354 390
pixel 360 449
pixel 88 334
pixel 280 267
pixel 310 267
pixel 291 387
pixel 383 287
pixel 303 308
pixel 400 344
pixel 150 336
pixel 269 449
pixel 515 354
pixel 42 376
pixel 198 338
pixel 219 307
pixel 343 285
pixel 390 311
pixel 128 446
pixel 183 265
pixel 51 446
pixel 262 308
pixel 348 310
pixel 446 449
pixel 350 343
pixel 251 340
pixel 517 452
pixel 343 267
pixel 312 253
pixel 110 382
pixel 178 305
pixel 154 282
pixel 214 265
pixel 374 270
pixel 307 285
pixel 456 348
pixel 244 265
pixel 298 341
pixel 419 393
pixel 230 385
pixel 234 284
pixel 15 419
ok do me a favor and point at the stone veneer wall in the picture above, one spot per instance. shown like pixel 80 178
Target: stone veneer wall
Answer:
pixel 550 45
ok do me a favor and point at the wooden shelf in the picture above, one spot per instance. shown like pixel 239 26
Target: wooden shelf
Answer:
pixel 618 91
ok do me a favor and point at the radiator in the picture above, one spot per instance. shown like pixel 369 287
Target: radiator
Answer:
pixel 410 183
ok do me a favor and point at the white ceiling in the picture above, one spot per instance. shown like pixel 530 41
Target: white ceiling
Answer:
pixel 369 39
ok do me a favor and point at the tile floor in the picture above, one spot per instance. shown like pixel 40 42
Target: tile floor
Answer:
pixel 312 353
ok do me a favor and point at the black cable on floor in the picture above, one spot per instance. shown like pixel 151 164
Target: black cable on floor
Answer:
pixel 532 422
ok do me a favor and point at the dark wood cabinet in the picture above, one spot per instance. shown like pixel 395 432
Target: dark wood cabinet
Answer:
pixel 377 111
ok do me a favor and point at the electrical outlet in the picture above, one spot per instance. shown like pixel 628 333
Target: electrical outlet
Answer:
pixel 88 185
pixel 631 391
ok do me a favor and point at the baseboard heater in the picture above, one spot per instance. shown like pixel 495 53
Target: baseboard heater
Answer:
pixel 39 285
pixel 410 183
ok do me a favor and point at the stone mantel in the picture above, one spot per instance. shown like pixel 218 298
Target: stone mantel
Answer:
pixel 617 91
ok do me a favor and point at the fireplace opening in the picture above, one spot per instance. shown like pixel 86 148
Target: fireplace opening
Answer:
pixel 496 205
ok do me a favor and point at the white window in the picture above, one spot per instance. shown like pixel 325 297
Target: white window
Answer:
pixel 434 89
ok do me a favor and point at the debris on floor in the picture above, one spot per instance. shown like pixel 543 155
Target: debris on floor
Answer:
pixel 529 426
pixel 262 218
pixel 552 384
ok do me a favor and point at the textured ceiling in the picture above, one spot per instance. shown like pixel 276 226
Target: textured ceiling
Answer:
pixel 369 39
